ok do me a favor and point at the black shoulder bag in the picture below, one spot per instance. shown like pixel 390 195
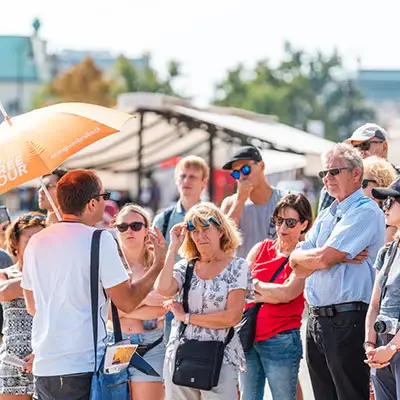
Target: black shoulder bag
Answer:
pixel 246 329
pixel 197 363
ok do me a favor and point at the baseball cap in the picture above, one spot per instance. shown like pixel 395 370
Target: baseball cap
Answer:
pixel 367 132
pixel 244 153
pixel 393 190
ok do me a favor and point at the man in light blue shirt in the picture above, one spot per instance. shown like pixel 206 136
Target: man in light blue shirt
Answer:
pixel 338 256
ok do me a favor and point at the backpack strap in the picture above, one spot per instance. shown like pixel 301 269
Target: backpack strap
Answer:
pixel 167 217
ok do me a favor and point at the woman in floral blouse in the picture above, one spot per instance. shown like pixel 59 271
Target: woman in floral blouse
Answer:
pixel 216 296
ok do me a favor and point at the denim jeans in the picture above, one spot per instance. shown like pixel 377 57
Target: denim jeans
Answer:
pixel 277 360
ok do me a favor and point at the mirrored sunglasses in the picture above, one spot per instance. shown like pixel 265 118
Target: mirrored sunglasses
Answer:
pixel 332 172
pixel 389 202
pixel 135 226
pixel 245 170
pixel 290 222
pixel 190 226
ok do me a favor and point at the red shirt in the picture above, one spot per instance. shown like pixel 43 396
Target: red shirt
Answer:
pixel 274 318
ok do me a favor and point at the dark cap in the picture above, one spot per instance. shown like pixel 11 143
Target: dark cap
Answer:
pixel 393 190
pixel 244 153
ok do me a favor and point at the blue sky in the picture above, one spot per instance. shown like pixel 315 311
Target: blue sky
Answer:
pixel 210 36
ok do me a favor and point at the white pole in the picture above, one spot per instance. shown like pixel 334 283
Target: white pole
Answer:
pixel 5 115
pixel 51 201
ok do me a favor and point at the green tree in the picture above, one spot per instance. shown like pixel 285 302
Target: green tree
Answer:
pixel 301 88
pixel 130 78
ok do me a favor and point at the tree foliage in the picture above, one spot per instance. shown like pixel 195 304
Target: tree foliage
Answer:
pixel 131 78
pixel 83 82
pixel 301 88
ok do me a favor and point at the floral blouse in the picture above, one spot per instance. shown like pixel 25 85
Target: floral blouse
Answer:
pixel 209 296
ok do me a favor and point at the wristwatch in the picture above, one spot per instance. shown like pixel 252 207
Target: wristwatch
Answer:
pixel 187 318
pixel 393 347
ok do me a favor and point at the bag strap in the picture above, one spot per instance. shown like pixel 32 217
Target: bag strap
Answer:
pixel 94 287
pixel 167 217
pixel 94 293
pixel 185 302
pixel 274 276
pixel 391 253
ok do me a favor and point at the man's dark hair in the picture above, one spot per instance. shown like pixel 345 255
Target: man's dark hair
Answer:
pixel 75 189
pixel 58 172
pixel 297 202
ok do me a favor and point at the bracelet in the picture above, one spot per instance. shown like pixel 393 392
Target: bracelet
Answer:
pixel 368 343
pixel 187 319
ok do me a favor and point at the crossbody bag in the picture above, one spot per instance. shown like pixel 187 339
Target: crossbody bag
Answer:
pixel 197 363
pixel 246 329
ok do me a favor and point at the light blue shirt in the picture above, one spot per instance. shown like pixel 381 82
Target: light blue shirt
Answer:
pixel 350 226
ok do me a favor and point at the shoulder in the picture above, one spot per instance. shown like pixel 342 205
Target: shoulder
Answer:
pixel 238 264
pixel 364 207
pixel 161 215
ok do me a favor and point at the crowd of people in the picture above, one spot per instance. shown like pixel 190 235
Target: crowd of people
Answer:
pixel 183 281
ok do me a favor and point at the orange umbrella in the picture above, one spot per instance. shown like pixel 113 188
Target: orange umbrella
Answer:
pixel 36 143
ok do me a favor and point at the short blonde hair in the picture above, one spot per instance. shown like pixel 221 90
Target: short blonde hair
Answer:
pixel 379 170
pixel 193 162
pixel 25 221
pixel 230 239
pixel 134 208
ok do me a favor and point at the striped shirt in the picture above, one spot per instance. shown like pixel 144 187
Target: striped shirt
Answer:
pixel 350 226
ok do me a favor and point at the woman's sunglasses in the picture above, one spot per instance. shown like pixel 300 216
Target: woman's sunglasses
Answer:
pixel 245 171
pixel 365 146
pixel 135 226
pixel 290 222
pixel 190 226
pixel 365 182
pixel 389 202
pixel 332 172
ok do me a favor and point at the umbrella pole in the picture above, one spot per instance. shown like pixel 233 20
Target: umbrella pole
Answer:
pixel 51 201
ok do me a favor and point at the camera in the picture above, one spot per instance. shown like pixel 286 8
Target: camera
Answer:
pixel 386 325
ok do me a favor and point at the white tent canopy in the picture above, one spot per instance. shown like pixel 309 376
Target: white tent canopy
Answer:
pixel 167 127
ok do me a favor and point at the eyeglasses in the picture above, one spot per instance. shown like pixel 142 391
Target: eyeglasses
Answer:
pixel 47 185
pixel 365 146
pixel 190 226
pixel 244 170
pixel 365 182
pixel 290 222
pixel 135 226
pixel 29 218
pixel 105 195
pixel 389 202
pixel 331 171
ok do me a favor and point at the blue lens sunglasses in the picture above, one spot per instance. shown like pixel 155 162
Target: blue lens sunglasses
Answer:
pixel 245 170
pixel 191 227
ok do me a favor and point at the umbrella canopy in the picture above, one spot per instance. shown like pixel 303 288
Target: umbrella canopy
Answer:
pixel 36 143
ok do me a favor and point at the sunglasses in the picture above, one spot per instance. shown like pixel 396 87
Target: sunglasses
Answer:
pixel 135 226
pixel 105 196
pixel 389 202
pixel 245 170
pixel 332 172
pixel 365 146
pixel 290 222
pixel 190 226
pixel 29 218
pixel 365 182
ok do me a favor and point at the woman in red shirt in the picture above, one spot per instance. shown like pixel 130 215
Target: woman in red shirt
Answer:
pixel 277 350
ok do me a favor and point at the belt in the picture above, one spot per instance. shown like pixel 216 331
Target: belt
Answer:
pixel 144 348
pixel 331 311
